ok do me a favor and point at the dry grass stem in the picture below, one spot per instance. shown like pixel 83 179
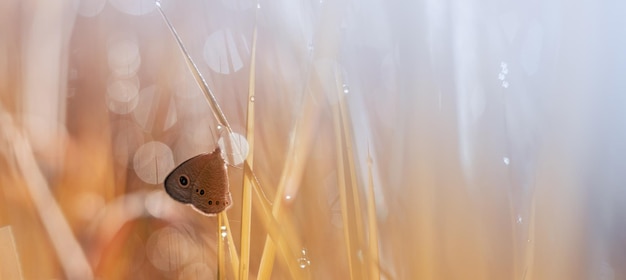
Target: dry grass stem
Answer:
pixel 246 201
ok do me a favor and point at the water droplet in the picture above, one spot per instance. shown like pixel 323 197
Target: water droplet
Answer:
pixel 304 260
pixel 223 231
pixel 287 197
pixel 158 3
pixel 503 65
pixel 505 71
pixel 258 5
pixel 505 84
pixel 219 127
pixel 506 160
pixel 346 89
pixel 251 98
pixel 519 219
pixel 501 76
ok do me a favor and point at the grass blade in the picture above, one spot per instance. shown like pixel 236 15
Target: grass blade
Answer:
pixel 374 271
pixel 291 175
pixel 281 236
pixel 232 251
pixel 58 229
pixel 343 193
pixel 11 267
pixel 221 255
pixel 215 107
pixel 350 158
pixel 246 203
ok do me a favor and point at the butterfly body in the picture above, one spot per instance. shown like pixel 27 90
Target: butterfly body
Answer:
pixel 201 181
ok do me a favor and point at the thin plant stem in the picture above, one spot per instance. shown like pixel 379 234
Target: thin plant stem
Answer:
pixel 343 193
pixel 374 271
pixel 221 255
pixel 246 203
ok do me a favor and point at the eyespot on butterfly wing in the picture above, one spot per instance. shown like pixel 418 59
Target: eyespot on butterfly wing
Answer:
pixel 201 181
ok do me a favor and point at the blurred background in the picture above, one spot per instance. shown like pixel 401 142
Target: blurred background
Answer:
pixel 393 139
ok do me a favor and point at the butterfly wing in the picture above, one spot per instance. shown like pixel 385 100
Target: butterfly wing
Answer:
pixel 211 194
pixel 179 183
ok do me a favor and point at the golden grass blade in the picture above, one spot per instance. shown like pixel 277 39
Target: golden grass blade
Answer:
pixel 304 129
pixel 343 193
pixel 221 255
pixel 529 258
pixel 70 253
pixel 291 174
pixel 246 203
pixel 232 251
pixel 374 271
pixel 280 235
pixel 346 124
pixel 215 107
pixel 10 267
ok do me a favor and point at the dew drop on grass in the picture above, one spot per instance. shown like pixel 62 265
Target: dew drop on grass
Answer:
pixel 304 261
pixel 251 98
pixel 506 160
pixel 223 231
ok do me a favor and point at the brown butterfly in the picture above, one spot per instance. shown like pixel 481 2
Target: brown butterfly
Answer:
pixel 201 181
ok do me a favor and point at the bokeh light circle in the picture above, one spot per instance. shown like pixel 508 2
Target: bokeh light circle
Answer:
pixel 134 7
pixel 234 148
pixel 169 249
pixel 153 161
pixel 122 95
pixel 225 52
pixel 123 57
pixel 90 8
